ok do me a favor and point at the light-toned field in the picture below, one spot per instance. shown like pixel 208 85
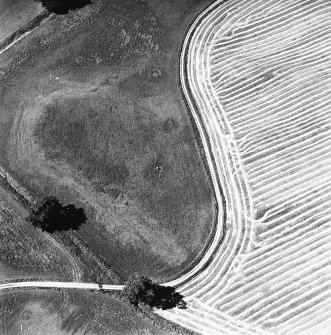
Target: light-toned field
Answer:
pixel 259 73
pixel 14 14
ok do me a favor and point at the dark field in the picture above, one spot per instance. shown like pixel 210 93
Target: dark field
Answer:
pixel 70 313
pixel 92 112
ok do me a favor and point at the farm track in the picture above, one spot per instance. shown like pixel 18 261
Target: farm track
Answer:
pixel 258 73
pixel 21 211
pixel 59 284
pixel 256 76
pixel 24 31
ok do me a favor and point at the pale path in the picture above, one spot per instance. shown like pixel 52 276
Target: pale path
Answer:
pixel 56 284
pixel 258 73
pixel 257 77
pixel 5 46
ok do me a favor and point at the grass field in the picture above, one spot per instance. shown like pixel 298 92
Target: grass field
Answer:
pixel 14 14
pixel 70 313
pixel 91 111
pixel 26 254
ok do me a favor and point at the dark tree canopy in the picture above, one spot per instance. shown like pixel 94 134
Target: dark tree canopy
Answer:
pixel 51 216
pixel 63 6
pixel 140 289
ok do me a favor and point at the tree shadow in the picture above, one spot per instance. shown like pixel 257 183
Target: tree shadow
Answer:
pixel 63 6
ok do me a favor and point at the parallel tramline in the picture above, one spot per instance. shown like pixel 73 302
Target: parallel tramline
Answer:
pixel 290 157
pixel 259 72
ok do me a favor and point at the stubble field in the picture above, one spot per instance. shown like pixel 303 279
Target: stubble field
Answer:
pixel 265 92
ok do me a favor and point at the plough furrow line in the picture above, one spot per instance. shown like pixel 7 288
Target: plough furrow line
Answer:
pixel 257 76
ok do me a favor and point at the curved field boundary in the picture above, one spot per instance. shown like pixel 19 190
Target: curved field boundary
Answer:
pixel 232 236
pixel 263 68
pixel 269 265
pixel 230 186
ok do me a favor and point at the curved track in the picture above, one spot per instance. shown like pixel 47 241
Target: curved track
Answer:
pixel 256 77
pixel 258 73
pixel 228 177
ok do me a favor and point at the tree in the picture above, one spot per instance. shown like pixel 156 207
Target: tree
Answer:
pixel 63 6
pixel 51 216
pixel 141 290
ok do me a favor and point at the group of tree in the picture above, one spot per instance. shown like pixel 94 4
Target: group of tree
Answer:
pixel 52 216
pixel 63 6
pixel 141 290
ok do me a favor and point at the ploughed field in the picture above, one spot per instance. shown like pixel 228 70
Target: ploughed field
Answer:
pixel 260 71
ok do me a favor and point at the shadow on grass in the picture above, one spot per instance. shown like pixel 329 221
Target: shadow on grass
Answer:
pixel 63 6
